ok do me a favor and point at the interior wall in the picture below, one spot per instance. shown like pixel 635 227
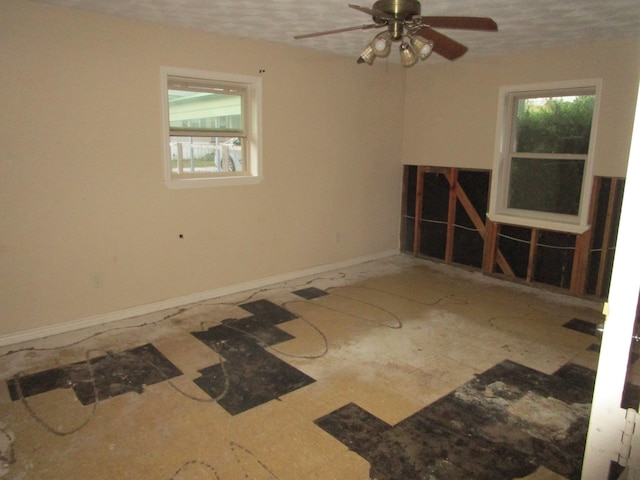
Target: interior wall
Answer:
pixel 88 226
pixel 451 108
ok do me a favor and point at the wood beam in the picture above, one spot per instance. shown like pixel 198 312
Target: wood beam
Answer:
pixel 578 283
pixel 584 242
pixel 482 229
pixel 469 208
pixel 403 207
pixel 490 244
pixel 418 212
pixel 533 254
pixel 451 214
pixel 606 240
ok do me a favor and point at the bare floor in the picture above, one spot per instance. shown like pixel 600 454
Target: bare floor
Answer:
pixel 367 372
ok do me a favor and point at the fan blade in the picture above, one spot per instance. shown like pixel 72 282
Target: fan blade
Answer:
pixel 373 13
pixel 339 30
pixel 465 23
pixel 443 45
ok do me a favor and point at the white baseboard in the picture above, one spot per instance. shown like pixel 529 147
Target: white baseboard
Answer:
pixel 104 318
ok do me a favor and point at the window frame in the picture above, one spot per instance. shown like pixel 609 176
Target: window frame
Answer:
pixel 251 87
pixel 499 212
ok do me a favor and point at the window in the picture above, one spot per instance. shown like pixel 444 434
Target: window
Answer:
pixel 212 128
pixel 542 170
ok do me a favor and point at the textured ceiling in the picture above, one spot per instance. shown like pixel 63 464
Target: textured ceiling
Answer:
pixel 523 24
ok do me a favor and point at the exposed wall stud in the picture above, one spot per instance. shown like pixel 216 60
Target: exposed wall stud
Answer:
pixel 584 243
pixel 418 213
pixel 490 245
pixel 533 250
pixel 606 241
pixel 405 201
pixel 451 215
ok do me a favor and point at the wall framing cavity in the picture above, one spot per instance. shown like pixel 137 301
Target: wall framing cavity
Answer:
pixel 444 218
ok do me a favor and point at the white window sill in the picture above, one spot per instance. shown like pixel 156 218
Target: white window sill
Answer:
pixel 213 182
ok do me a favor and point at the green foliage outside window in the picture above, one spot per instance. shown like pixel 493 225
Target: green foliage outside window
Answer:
pixel 555 126
pixel 550 126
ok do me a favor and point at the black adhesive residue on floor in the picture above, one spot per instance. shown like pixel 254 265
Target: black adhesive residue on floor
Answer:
pixel 310 293
pixel 250 376
pixel 504 424
pixel 581 326
pixel 590 328
pixel 108 376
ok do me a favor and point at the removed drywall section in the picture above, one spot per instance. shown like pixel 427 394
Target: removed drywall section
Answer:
pixel 444 217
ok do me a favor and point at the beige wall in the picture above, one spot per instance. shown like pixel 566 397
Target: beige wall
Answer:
pixel 81 179
pixel 451 108
pixel 81 183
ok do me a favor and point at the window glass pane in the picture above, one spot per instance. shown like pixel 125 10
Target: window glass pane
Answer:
pixel 197 110
pixel 546 185
pixel 558 124
pixel 200 155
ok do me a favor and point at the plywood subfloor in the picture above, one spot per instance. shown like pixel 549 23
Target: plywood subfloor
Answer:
pixel 394 369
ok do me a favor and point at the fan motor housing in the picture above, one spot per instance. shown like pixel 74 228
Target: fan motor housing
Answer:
pixel 402 10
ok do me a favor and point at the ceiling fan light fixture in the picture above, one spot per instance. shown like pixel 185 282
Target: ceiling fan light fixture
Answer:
pixel 368 55
pixel 405 24
pixel 408 56
pixel 422 46
pixel 381 44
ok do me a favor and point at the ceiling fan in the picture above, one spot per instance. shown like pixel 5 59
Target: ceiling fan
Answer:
pixel 416 34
